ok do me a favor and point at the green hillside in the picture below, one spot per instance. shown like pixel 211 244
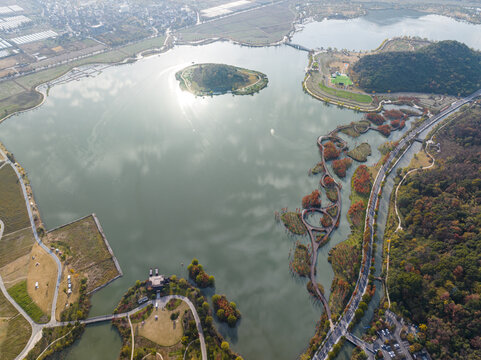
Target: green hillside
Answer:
pixel 446 67
pixel 204 79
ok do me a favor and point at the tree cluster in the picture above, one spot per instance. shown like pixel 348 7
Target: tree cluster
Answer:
pixel 199 276
pixel 340 166
pixel 435 271
pixel 312 201
pixel 375 118
pixel 331 151
pixel 362 180
pixel 226 311
pixel 445 67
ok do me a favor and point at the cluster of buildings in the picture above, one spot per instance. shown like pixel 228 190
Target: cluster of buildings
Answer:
pixel 90 18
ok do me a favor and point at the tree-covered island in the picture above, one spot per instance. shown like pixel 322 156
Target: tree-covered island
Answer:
pixel 217 79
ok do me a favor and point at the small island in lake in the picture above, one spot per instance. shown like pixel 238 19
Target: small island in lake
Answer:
pixel 216 79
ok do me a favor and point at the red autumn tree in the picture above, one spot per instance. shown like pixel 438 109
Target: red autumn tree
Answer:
pixel 340 166
pixel 328 181
pixel 395 123
pixel 393 114
pixel 355 212
pixel 312 201
pixel 330 151
pixel 362 180
pixel 375 118
pixel 385 130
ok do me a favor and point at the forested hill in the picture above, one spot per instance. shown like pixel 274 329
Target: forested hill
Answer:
pixel 435 272
pixel 445 67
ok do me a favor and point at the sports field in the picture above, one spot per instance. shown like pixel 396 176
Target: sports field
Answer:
pixel 362 98
pixel 341 79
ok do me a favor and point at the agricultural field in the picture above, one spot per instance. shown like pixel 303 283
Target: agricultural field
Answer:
pixel 83 250
pixel 14 330
pixel 14 246
pixel 13 211
pixel 257 27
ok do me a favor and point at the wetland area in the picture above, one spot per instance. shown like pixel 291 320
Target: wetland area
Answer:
pixel 172 176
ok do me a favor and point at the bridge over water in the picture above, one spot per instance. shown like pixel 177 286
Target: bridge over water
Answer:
pixel 298 47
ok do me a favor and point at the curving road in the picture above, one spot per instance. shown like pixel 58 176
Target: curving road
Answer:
pixel 340 329
pixel 161 302
pixel 36 328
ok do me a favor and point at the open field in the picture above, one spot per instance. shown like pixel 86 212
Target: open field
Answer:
pixel 163 331
pixel 84 250
pixel 361 98
pixel 257 27
pixel 14 330
pixel 15 245
pixel 10 88
pixel 341 79
pixel 42 269
pixel 13 211
pixel 421 159
pixel 19 293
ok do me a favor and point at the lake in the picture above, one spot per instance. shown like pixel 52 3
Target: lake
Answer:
pixel 172 176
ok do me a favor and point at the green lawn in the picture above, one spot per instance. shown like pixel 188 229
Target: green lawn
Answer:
pixel 341 79
pixel 362 98
pixel 19 293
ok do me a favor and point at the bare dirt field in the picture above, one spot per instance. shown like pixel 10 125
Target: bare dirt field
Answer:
pixel 41 269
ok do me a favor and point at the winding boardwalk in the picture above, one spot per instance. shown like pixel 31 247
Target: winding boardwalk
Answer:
pixel 341 327
pixel 324 211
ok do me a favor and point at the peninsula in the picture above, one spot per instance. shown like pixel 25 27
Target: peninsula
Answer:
pixel 217 79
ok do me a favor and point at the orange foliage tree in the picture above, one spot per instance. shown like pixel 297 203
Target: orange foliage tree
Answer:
pixel 362 180
pixel 330 151
pixel 375 118
pixel 355 212
pixel 393 114
pixel 312 200
pixel 384 129
pixel 340 166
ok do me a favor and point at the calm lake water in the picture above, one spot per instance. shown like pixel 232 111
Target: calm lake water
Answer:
pixel 172 176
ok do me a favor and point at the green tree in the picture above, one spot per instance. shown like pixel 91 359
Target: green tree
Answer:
pixel 231 320
pixel 221 314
